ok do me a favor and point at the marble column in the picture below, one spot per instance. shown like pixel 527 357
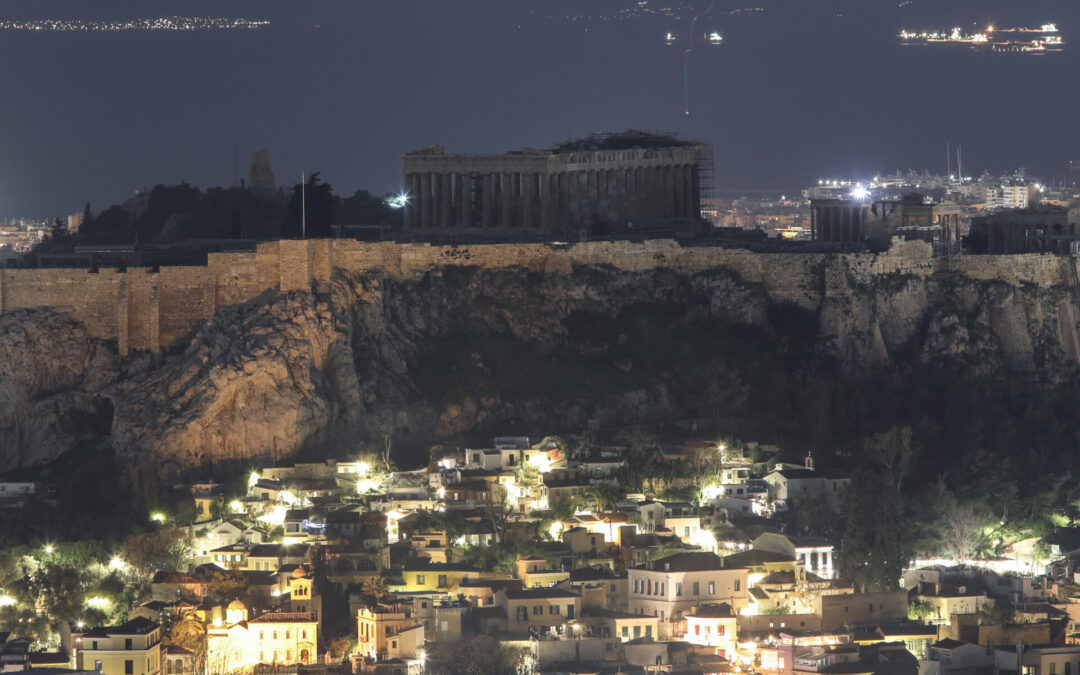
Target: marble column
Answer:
pixel 546 194
pixel 465 188
pixel 487 215
pixel 446 218
pixel 562 194
pixel 688 193
pixel 507 200
pixel 695 182
pixel 593 189
pixel 680 195
pixel 412 199
pixel 528 218
pixel 425 200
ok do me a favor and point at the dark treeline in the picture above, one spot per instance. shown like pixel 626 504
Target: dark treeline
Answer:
pixel 172 213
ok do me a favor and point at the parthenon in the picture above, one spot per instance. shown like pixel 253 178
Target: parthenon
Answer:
pixel 618 182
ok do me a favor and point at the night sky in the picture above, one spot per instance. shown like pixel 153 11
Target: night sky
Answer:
pixel 805 89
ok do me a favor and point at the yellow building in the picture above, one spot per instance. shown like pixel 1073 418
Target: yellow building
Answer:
pixel 421 575
pixel 538 608
pixel 278 638
pixel 388 631
pixel 132 648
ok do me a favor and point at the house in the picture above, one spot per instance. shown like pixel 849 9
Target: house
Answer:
pixel 538 608
pixel 853 609
pixel 389 631
pixel 671 587
pixel 442 620
pixel 785 483
pixel 179 661
pixel 599 587
pixel 946 600
pixel 760 564
pixel 534 573
pixel 954 657
pixel 625 626
pixel 565 490
pixel 170 585
pixel 815 553
pixel 275 638
pixel 420 574
pixel 270 557
pixel 132 648
pixel 714 626
pixel 1039 659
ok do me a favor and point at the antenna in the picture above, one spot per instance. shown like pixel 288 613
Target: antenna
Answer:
pixel 303 207
pixel 948 160
pixel 960 161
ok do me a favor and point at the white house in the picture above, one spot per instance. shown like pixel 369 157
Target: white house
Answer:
pixel 672 587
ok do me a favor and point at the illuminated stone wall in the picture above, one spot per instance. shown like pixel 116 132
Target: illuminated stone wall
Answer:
pixel 146 310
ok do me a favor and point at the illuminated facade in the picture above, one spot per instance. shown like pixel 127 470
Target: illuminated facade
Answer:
pixel 132 648
pixel 277 638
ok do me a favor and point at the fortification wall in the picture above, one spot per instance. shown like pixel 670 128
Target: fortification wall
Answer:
pixel 146 310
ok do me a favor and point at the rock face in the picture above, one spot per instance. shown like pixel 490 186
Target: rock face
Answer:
pixel 358 356
pixel 51 381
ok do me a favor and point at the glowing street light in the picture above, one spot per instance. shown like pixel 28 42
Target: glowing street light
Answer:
pixel 49 548
pixel 157 517
pixel 6 601
pixel 859 193
pixel 117 563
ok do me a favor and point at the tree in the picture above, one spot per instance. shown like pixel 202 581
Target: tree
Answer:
pixel 480 655
pixel 190 633
pixel 59 229
pixel 603 496
pixel 375 589
pixel 498 512
pixel 875 543
pixel 962 534
pixel 315 199
pixel 163 549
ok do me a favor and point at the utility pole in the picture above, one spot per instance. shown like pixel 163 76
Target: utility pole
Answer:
pixel 303 206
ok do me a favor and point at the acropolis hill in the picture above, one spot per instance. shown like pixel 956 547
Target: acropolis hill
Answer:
pixel 302 342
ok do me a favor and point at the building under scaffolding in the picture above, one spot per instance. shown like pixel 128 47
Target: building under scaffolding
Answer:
pixel 634 182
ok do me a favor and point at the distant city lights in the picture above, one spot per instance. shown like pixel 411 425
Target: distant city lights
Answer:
pixel 175 23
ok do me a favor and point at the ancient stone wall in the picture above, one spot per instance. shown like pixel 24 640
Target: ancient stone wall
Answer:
pixel 146 310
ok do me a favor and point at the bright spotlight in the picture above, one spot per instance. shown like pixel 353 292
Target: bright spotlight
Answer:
pixel 859 193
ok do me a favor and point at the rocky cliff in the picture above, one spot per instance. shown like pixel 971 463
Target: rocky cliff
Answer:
pixel 461 348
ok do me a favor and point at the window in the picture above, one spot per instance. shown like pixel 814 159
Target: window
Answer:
pixel 538 609
pixel 648 631
pixel 712 588
pixel 678 588
pixel 262 657
pixel 288 655
pixel 420 579
pixel 97 665
pixel 625 633
pixel 569 611
pixel 442 581
pixel 303 635
pixel 127 643
pixel 129 667
pixel 637 632
pixel 553 609
pixel 697 590
pixel 1053 668
pixel 261 636
pixel 275 637
pixel 522 613
pixel 94 645
pixel 288 634
pixel 393 644
pixel 720 629
pixel 738 584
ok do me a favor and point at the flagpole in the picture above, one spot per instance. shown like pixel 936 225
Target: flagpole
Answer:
pixel 303 207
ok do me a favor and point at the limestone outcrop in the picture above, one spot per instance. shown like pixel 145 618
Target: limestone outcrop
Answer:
pixel 363 353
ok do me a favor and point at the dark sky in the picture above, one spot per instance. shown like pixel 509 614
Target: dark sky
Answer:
pixel 806 88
